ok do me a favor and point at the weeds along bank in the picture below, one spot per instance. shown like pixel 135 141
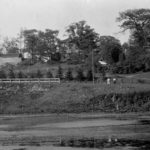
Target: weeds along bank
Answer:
pixel 74 97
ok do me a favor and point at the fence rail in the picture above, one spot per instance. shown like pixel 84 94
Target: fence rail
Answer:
pixel 30 80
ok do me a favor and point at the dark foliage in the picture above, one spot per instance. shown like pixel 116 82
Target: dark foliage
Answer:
pixel 31 75
pixel 39 74
pixel 2 74
pixel 80 75
pixel 56 56
pixel 20 74
pixel 49 74
pixel 89 76
pixel 59 73
pixel 69 75
pixel 11 73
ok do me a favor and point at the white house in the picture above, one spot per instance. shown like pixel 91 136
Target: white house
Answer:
pixel 27 55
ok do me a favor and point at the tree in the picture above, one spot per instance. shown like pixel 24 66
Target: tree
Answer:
pixel 11 45
pixel 48 43
pixel 11 73
pixel 92 61
pixel 80 75
pixel 59 72
pixel 49 74
pixel 31 40
pixel 83 36
pixel 20 74
pixel 109 49
pixel 69 75
pixel 31 75
pixel 138 22
pixel 39 74
pixel 2 74
pixel 89 75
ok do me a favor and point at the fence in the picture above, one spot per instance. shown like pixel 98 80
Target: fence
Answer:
pixel 30 80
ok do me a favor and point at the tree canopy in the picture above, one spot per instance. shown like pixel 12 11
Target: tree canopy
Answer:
pixel 110 49
pixel 83 36
pixel 138 22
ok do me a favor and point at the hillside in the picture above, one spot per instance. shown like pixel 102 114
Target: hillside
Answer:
pixel 142 75
pixel 75 97
pixel 10 60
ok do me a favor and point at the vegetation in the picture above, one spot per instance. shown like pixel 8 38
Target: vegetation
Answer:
pixel 69 75
pixel 137 49
pixel 2 74
pixel 49 74
pixel 89 76
pixel 39 74
pixel 20 74
pixel 76 57
pixel 80 75
pixel 60 73
pixel 83 43
pixel 74 97
pixel 11 73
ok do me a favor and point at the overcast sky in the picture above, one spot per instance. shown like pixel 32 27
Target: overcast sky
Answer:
pixel 57 14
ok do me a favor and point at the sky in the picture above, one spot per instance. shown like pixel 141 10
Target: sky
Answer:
pixel 58 14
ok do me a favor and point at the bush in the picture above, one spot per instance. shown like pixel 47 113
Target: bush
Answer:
pixel 49 74
pixel 31 75
pixel 25 62
pixel 80 75
pixel 11 73
pixel 69 75
pixel 59 72
pixel 141 81
pixel 39 74
pixel 89 76
pixel 3 74
pixel 20 74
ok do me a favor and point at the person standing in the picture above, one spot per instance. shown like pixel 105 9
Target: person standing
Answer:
pixel 108 81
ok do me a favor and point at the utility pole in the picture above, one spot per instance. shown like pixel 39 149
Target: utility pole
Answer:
pixel 93 66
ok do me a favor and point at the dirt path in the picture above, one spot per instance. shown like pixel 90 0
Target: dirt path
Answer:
pixel 88 123
pixel 41 130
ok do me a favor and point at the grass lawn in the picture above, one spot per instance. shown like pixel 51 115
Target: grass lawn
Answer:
pixel 78 91
pixel 11 60
pixel 142 75
pixel 73 97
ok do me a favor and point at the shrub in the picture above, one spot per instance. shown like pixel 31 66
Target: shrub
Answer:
pixel 49 74
pixel 25 62
pixel 69 75
pixel 80 75
pixel 2 74
pixel 89 76
pixel 11 73
pixel 20 74
pixel 39 74
pixel 141 81
pixel 31 75
pixel 59 72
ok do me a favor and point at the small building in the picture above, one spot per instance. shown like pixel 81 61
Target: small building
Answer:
pixel 27 55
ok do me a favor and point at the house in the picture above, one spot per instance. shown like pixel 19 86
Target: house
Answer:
pixel 27 55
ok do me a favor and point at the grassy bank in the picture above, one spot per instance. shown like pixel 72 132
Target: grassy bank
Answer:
pixel 74 97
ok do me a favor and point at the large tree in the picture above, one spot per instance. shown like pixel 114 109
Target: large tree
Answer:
pixel 138 22
pixel 110 49
pixel 11 45
pixel 83 36
pixel 48 43
pixel 31 40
